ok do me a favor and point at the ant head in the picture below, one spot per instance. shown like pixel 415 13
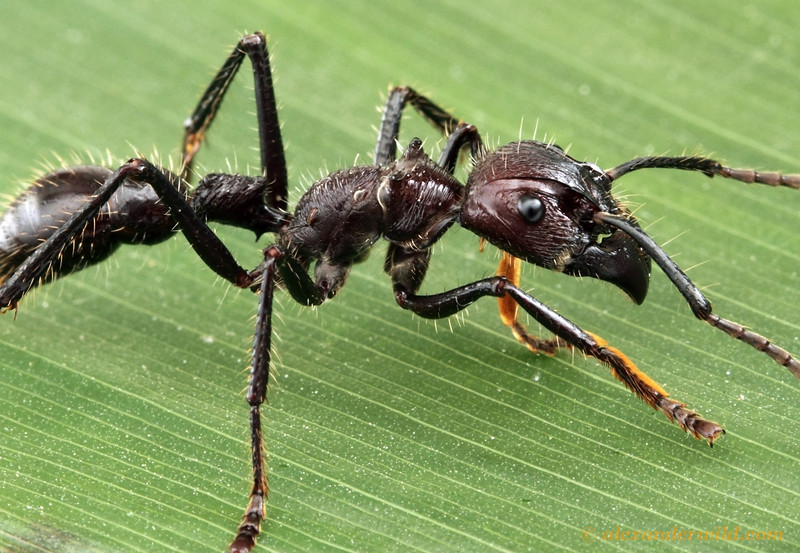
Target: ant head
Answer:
pixel 535 202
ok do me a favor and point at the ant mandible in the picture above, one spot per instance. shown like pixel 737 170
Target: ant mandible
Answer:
pixel 528 198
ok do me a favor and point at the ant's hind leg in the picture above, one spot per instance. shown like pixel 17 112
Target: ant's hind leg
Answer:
pixel 273 161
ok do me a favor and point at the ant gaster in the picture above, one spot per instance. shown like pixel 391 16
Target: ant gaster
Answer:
pixel 529 199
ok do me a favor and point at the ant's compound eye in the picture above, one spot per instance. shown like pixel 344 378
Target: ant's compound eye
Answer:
pixel 531 208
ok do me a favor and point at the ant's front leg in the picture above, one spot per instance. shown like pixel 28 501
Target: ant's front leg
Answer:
pixel 447 303
pixel 510 268
pixel 459 134
pixel 273 160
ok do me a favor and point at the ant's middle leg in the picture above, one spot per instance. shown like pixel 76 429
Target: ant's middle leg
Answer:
pixel 255 513
pixel 273 161
pixel 279 265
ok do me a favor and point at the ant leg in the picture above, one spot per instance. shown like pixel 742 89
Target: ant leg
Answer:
pixel 510 269
pixel 386 148
pixel 273 161
pixel 210 248
pixel 460 133
pixel 447 303
pixel 464 134
pixel 250 527
pixel 707 166
pixel 299 284
pixel 698 303
pixel 408 268
pixel 47 203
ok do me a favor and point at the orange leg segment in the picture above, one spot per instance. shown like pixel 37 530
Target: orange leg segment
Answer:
pixel 510 268
pixel 592 345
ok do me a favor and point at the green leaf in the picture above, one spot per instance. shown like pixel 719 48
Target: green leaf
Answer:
pixel 123 424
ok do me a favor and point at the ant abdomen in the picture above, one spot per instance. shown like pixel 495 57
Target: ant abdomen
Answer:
pixel 133 215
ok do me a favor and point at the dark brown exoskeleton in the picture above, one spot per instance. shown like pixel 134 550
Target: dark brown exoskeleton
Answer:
pixel 528 198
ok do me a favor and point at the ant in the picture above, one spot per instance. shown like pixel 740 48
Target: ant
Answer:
pixel 528 198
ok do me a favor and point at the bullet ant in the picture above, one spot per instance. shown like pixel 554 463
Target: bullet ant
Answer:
pixel 528 198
